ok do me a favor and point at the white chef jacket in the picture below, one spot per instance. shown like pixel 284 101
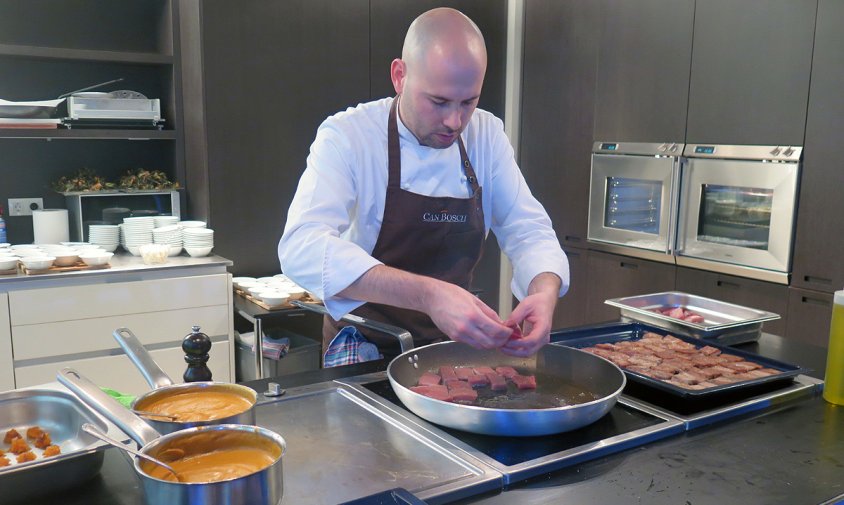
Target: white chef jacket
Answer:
pixel 335 217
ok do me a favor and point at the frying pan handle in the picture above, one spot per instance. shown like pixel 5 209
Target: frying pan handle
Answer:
pixel 142 359
pixel 404 337
pixel 110 408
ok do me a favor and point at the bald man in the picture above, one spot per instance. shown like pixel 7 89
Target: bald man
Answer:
pixel 398 195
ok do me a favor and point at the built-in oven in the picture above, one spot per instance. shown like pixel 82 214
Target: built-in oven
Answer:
pixel 633 198
pixel 737 209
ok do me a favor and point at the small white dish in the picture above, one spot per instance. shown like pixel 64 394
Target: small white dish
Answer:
pixel 274 297
pixel 8 262
pixel 23 246
pixel 296 293
pixel 174 251
pixel 237 280
pixel 198 252
pixel 95 258
pixel 266 280
pixel 66 259
pixel 38 262
pixel 192 224
pixel 254 290
pixel 25 253
pixel 4 245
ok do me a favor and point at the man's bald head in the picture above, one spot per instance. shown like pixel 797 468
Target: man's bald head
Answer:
pixel 443 33
pixel 439 76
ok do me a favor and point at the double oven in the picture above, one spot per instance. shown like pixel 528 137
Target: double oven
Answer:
pixel 723 208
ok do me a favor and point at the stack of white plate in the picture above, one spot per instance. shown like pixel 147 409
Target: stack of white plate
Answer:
pixel 192 224
pixel 107 236
pixel 162 221
pixel 137 231
pixel 198 241
pixel 170 236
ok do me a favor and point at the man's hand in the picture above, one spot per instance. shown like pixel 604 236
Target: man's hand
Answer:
pixel 465 318
pixel 535 313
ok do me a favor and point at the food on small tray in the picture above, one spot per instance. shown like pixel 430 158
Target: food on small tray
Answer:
pixel 26 456
pixel 19 446
pixel 680 313
pixel 11 435
pixel 457 384
pixel 680 363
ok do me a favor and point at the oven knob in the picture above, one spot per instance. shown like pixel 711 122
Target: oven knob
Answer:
pixel 788 151
pixel 776 151
pixel 673 147
pixel 662 148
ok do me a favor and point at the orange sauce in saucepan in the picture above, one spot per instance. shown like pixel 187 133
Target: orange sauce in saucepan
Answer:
pixel 215 466
pixel 200 405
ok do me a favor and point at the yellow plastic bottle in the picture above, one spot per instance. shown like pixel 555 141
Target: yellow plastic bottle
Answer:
pixel 833 390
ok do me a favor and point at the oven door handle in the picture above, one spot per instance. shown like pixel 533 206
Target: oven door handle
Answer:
pixel 674 216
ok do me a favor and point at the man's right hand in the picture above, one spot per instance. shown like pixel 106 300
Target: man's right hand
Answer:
pixel 465 318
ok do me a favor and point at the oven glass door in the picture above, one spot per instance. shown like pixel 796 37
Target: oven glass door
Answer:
pixel 739 212
pixel 631 201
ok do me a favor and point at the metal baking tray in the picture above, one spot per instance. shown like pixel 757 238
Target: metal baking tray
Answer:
pixel 579 338
pixel 724 323
pixel 61 414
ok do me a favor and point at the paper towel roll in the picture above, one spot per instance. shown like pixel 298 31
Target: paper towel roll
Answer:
pixel 50 226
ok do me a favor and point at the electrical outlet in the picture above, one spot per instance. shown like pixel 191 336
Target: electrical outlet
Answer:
pixel 24 206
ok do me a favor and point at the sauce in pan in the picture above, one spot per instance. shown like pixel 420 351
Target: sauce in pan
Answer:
pixel 215 466
pixel 199 405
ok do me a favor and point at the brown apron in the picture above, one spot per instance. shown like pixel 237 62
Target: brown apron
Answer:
pixel 439 237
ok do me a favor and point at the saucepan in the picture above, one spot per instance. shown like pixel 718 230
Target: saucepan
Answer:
pixel 192 403
pixel 573 389
pixel 220 464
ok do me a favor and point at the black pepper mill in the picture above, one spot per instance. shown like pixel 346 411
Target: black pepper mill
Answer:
pixel 196 347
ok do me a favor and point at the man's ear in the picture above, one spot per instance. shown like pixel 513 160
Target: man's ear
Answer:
pixel 398 73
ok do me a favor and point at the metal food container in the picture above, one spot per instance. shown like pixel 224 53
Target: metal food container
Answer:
pixel 61 414
pixel 725 323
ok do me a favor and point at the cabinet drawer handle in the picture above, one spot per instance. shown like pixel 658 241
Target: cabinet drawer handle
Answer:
pixel 815 301
pixel 625 264
pixel 727 284
pixel 817 280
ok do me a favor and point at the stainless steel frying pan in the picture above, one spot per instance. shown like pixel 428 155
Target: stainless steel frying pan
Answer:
pixel 574 389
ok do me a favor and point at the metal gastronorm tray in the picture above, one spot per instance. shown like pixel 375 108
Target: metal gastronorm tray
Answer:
pixel 725 323
pixel 580 338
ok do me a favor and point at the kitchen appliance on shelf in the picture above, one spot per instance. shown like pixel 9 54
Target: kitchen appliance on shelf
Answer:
pixel 115 109
pixel 737 210
pixel 633 198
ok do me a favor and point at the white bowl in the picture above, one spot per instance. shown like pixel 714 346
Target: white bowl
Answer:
pixel 296 293
pixel 274 297
pixel 108 247
pixel 174 251
pixel 134 250
pixel 65 259
pixel 266 280
pixel 95 258
pixel 23 246
pixel 237 280
pixel 8 262
pixel 198 252
pixel 29 252
pixel 254 290
pixel 4 245
pixel 38 262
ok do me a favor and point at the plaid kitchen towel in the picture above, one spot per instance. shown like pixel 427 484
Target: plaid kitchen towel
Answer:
pixel 349 347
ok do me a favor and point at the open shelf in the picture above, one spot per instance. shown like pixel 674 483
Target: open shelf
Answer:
pixel 63 133
pixel 61 53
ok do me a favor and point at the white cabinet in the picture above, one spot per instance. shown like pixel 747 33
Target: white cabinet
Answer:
pixel 57 326
pixel 7 376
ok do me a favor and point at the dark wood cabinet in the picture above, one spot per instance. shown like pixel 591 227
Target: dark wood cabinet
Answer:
pixel 643 70
pixel 750 71
pixel 571 309
pixel 557 108
pixel 271 73
pixel 809 316
pixel 747 292
pixel 614 276
pixel 819 240
pixel 48 49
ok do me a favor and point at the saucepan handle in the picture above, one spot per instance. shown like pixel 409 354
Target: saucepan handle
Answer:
pixel 404 337
pixel 110 408
pixel 142 359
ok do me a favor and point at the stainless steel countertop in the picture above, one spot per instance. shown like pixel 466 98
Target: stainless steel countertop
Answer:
pixel 121 263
